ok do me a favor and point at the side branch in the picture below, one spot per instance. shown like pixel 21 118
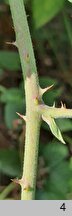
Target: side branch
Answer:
pixel 55 112
pixel 49 114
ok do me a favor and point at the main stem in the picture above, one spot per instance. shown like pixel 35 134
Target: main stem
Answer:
pixel 31 84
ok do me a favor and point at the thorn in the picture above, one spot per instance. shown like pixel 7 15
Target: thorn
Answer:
pixel 23 183
pixel 12 43
pixel 62 106
pixel 42 91
pixel 54 104
pixel 13 27
pixel 21 116
pixel 28 15
pixel 65 106
pixel 17 181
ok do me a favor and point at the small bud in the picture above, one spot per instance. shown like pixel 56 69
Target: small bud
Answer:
pixel 36 101
pixel 27 58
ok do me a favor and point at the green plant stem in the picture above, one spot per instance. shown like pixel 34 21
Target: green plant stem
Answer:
pixel 35 108
pixel 7 190
pixel 23 38
pixel 24 44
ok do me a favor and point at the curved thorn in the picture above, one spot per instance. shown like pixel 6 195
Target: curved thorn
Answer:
pixel 21 116
pixel 17 181
pixel 23 183
pixel 14 43
pixel 62 106
pixel 42 91
pixel 11 43
pixel 54 104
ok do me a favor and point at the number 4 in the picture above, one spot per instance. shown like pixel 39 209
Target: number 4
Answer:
pixel 63 207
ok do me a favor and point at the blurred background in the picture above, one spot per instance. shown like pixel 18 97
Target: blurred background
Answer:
pixel 50 25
